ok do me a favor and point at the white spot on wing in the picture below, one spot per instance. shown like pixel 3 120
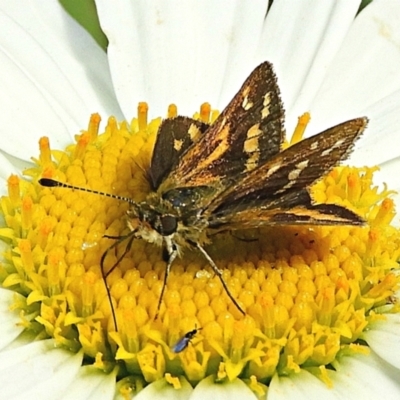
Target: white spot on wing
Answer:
pixel 337 145
pixel 273 169
pixel 266 104
pixel 246 104
pixel 314 145
pixel 178 144
pixel 194 132
pixel 293 175
pixel 327 152
pixel 303 164
pixel 251 147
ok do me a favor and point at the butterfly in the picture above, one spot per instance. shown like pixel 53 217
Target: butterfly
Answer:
pixel 233 175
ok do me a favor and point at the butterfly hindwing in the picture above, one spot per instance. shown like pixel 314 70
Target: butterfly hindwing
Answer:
pixel 294 208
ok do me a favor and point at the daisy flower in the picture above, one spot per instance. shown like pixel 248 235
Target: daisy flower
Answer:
pixel 322 315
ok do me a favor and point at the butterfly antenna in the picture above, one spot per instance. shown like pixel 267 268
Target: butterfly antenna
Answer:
pixel 47 182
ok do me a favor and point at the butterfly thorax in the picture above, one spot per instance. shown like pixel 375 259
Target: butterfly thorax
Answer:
pixel 171 216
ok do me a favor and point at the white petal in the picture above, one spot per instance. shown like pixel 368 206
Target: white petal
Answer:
pixel 301 38
pixel 384 338
pixel 6 169
pixel 38 370
pixel 298 387
pixel 167 51
pixel 10 326
pixel 365 70
pixel 161 389
pixel 53 76
pixel 366 377
pixel 209 389
pixel 91 384
pixel 378 144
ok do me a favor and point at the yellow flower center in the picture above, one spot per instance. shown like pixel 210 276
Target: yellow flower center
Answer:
pixel 308 291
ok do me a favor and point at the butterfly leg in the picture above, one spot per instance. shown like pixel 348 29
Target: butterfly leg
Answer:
pixel 172 253
pixel 219 273
pixel 104 274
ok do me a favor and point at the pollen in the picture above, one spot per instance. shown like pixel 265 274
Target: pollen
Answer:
pixel 308 292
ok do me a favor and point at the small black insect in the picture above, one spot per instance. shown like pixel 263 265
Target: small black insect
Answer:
pixel 182 343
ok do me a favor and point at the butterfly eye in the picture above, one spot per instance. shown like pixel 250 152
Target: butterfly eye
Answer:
pixel 169 225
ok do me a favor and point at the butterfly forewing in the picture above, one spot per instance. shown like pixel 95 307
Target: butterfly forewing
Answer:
pixel 245 135
pixel 274 193
pixel 174 137
pixel 293 169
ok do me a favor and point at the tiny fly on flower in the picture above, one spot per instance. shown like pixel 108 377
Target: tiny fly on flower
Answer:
pixel 182 343
pixel 233 175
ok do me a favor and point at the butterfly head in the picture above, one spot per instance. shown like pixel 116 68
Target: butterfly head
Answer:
pixel 154 220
